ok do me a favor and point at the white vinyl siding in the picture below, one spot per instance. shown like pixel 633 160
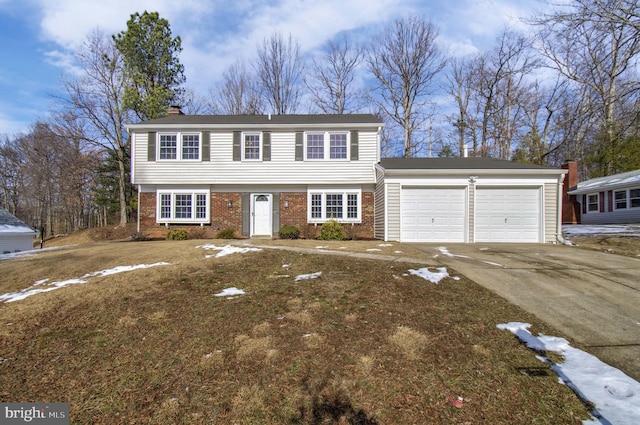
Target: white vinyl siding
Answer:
pixel 283 169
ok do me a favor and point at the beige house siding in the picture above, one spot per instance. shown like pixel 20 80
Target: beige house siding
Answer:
pixel 380 211
pixel 550 208
pixel 392 193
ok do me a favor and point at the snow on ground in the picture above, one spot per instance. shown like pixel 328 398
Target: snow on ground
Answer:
pixel 42 285
pixel 229 292
pixel 433 277
pixel 615 395
pixel 445 251
pixel 226 250
pixel 604 229
pixel 308 276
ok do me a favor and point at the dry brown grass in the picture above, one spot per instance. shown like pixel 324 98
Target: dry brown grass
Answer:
pixel 356 346
pixel 620 245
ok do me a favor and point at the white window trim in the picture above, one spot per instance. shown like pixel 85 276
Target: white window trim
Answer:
pixel 597 210
pixel 252 133
pixel 344 193
pixel 173 219
pixel 179 146
pixel 627 201
pixel 327 145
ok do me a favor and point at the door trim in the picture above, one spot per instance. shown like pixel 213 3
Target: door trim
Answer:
pixel 254 198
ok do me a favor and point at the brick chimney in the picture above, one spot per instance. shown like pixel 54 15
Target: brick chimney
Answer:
pixel 570 205
pixel 174 110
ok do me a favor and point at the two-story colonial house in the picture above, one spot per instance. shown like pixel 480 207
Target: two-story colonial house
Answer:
pixel 254 173
pixel 257 173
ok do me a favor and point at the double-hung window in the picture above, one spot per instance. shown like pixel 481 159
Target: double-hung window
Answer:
pixel 592 203
pixel 634 198
pixel 620 199
pixel 179 146
pixel 183 206
pixel 327 145
pixel 251 147
pixel 341 205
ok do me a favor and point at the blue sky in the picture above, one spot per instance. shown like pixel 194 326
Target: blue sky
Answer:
pixel 39 37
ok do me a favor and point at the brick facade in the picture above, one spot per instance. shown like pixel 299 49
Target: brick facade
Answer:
pixel 225 215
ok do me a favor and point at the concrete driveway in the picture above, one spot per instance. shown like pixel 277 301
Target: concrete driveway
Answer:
pixel 592 297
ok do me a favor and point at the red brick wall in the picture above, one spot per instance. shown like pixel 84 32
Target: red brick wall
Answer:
pixel 570 205
pixel 225 217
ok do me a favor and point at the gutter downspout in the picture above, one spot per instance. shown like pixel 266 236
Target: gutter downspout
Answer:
pixel 559 238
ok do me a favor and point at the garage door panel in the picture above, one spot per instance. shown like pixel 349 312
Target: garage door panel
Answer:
pixel 507 215
pixel 433 214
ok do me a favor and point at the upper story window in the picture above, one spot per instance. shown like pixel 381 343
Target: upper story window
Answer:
pixel 251 147
pixel 179 146
pixel 326 145
pixel 592 203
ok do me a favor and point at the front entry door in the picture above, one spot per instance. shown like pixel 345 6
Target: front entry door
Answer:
pixel 261 215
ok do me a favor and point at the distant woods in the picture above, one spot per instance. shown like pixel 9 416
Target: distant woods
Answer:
pixel 567 89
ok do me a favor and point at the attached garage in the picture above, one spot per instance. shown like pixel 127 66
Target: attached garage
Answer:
pixel 508 214
pixel 433 214
pixel 467 200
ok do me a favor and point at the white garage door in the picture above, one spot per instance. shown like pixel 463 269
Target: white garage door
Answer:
pixel 433 214
pixel 507 215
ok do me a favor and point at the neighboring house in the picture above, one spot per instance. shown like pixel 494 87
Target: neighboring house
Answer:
pixel 15 236
pixel 258 173
pixel 609 200
pixel 467 200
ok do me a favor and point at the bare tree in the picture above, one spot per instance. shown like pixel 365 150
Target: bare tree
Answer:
pixel 405 60
pixel 595 44
pixel 97 97
pixel 238 93
pixel 279 67
pixel 460 87
pixel 331 78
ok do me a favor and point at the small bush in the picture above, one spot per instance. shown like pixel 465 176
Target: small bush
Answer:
pixel 177 235
pixel 289 232
pixel 331 231
pixel 226 234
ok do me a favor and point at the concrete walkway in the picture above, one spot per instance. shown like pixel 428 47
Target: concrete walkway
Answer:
pixel 592 297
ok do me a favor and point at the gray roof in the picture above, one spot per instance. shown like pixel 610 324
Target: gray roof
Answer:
pixel 616 181
pixel 262 120
pixel 11 224
pixel 461 164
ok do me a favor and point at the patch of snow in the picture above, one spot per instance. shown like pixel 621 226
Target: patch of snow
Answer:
pixel 456 278
pixel 385 244
pixel 32 290
pixel 285 266
pixel 397 252
pixel 322 247
pixel 226 250
pixel 444 251
pixel 308 276
pixel 230 292
pixel 374 249
pixel 491 263
pixel 608 229
pixel 615 395
pixel 433 277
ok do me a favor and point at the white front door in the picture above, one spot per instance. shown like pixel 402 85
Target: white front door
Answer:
pixel 261 214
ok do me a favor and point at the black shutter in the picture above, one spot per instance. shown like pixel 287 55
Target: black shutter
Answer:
pixel 246 214
pixel 266 146
pixel 354 145
pixel 151 146
pixel 237 146
pixel 299 146
pixel 206 146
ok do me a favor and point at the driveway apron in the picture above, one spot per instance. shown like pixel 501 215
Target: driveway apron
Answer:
pixel 592 297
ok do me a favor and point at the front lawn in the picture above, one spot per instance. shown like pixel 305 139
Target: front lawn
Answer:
pixel 362 342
